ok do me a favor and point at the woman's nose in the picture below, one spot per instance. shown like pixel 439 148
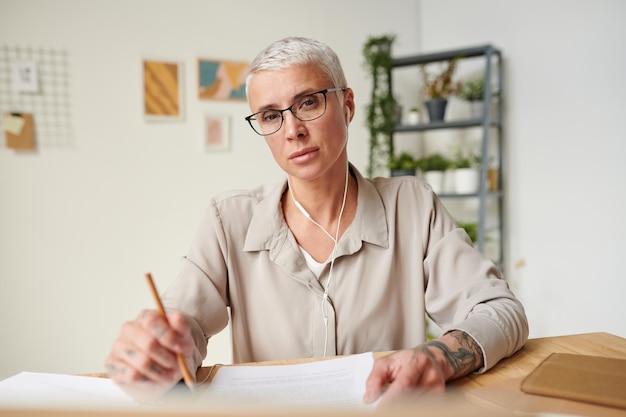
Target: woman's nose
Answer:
pixel 294 127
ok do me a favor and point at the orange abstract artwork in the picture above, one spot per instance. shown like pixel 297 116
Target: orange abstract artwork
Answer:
pixel 161 89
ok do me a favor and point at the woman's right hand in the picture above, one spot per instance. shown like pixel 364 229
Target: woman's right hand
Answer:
pixel 143 360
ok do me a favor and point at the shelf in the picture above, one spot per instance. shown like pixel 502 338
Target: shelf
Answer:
pixel 492 128
pixel 455 124
pixel 444 56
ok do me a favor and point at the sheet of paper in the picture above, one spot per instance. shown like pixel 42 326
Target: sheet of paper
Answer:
pixel 31 389
pixel 25 77
pixel 337 383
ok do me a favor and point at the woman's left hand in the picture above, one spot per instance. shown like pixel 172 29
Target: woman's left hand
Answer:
pixel 424 369
pixel 401 373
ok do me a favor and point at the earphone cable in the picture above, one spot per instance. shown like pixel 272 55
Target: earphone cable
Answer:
pixel 324 304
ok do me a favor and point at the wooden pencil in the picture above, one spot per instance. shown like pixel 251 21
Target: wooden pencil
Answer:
pixel 181 361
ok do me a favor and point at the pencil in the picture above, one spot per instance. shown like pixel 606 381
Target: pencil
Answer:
pixel 181 361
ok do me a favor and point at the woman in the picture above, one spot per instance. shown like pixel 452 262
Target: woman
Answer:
pixel 328 262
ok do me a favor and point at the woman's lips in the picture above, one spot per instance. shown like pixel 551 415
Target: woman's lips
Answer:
pixel 303 155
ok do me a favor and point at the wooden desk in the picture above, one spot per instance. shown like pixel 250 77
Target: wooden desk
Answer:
pixel 518 365
pixel 500 387
pixel 495 393
pixel 536 350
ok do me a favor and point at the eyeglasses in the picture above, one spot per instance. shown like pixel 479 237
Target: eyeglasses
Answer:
pixel 307 108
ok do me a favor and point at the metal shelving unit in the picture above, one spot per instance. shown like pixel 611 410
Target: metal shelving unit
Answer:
pixel 490 124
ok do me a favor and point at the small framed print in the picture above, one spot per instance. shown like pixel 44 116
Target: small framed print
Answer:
pixel 216 133
pixel 222 80
pixel 162 82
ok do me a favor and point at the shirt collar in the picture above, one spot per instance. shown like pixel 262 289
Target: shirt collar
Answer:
pixel 268 229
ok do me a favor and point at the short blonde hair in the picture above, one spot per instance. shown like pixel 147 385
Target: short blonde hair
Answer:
pixel 296 50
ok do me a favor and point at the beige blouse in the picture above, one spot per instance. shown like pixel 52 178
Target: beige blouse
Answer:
pixel 401 258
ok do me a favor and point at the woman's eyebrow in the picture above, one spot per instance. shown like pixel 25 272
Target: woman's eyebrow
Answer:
pixel 295 97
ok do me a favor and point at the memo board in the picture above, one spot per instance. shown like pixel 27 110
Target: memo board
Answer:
pixel 49 103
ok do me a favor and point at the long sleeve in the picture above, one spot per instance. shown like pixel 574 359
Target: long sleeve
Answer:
pixel 401 258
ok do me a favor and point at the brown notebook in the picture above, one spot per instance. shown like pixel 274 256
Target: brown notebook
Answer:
pixel 592 379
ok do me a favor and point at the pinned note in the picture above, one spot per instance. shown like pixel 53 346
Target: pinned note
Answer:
pixel 12 123
pixel 19 130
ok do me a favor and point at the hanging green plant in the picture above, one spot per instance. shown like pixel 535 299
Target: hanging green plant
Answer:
pixel 381 111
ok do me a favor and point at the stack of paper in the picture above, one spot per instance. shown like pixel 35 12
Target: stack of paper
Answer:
pixel 333 383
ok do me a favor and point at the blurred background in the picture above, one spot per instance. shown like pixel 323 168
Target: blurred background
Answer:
pixel 109 195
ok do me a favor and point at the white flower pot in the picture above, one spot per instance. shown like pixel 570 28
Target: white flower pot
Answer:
pixel 448 182
pixel 476 109
pixel 413 118
pixel 435 180
pixel 466 180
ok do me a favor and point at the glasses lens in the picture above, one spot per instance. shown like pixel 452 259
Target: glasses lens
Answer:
pixel 309 107
pixel 266 122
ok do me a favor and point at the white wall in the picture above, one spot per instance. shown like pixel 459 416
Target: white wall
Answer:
pixel 565 75
pixel 79 227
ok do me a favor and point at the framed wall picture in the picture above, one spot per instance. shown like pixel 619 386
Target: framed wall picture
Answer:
pixel 162 88
pixel 216 133
pixel 222 80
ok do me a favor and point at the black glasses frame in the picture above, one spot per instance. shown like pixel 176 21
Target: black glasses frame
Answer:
pixel 290 108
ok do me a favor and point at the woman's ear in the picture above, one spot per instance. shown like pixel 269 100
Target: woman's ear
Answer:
pixel 349 105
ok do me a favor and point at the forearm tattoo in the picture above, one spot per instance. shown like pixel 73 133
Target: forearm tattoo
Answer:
pixel 464 360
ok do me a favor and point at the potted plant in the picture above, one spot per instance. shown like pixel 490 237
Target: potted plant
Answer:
pixel 438 88
pixel 382 108
pixel 413 116
pixel 474 92
pixel 403 164
pixel 466 173
pixel 433 166
pixel 433 162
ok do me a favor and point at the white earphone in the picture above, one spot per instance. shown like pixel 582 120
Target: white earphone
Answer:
pixel 335 239
pixel 302 210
